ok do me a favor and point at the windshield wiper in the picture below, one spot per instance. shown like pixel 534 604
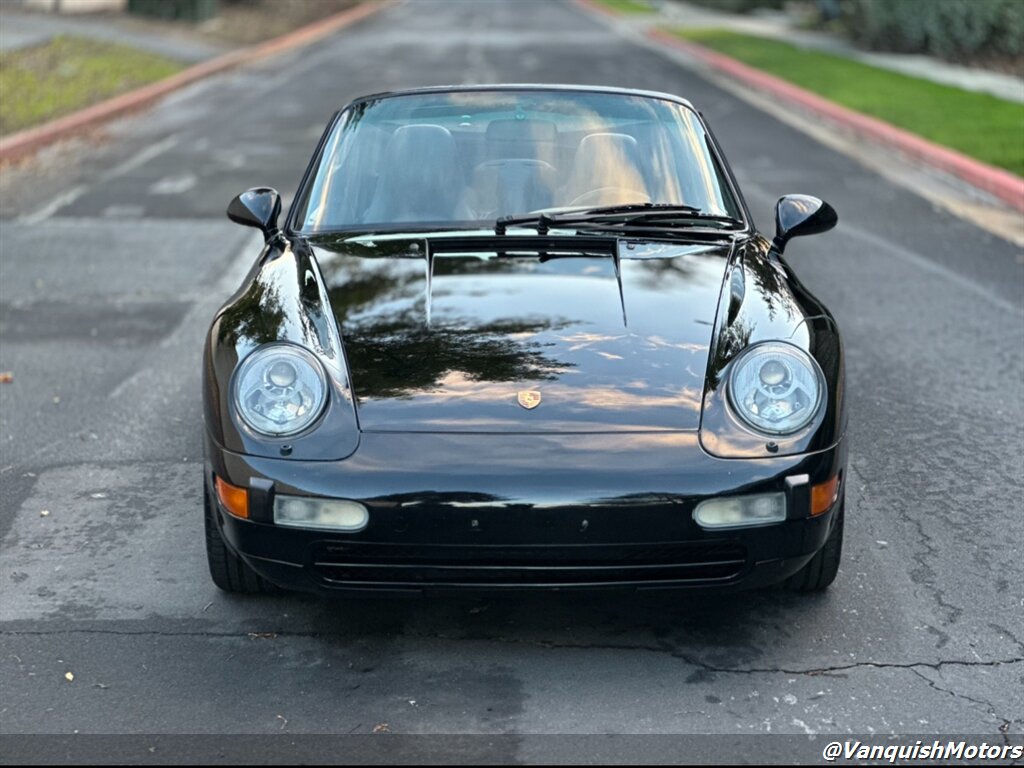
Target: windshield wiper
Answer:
pixel 614 216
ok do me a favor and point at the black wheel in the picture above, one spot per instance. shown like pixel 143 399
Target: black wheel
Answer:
pixel 228 570
pixel 821 570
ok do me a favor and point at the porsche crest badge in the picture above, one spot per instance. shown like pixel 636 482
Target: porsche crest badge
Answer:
pixel 529 399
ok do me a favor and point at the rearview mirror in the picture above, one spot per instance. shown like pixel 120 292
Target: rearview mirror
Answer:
pixel 799 215
pixel 258 207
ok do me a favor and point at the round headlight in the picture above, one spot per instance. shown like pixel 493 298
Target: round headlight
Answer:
pixel 280 389
pixel 775 387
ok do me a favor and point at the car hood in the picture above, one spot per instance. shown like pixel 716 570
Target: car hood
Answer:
pixel 487 342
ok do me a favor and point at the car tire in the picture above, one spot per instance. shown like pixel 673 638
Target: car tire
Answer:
pixel 228 571
pixel 821 571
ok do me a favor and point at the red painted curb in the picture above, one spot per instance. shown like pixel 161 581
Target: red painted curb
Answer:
pixel 597 7
pixel 998 182
pixel 33 139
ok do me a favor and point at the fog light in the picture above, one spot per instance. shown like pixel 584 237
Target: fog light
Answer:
pixel 326 514
pixel 741 511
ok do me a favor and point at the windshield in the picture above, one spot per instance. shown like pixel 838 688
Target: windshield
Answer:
pixel 469 157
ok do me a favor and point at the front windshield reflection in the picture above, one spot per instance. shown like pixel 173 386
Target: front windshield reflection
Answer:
pixel 475 156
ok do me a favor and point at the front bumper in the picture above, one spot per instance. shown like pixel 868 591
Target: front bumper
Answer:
pixel 460 511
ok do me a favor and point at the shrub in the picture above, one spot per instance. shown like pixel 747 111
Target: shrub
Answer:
pixel 952 29
pixel 739 6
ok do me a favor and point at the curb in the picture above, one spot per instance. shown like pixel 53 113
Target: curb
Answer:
pixel 29 141
pixel 604 10
pixel 996 181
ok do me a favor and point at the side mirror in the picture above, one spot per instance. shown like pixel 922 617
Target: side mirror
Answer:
pixel 799 215
pixel 258 207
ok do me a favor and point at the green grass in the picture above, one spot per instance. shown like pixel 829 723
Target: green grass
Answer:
pixel 982 126
pixel 628 6
pixel 68 73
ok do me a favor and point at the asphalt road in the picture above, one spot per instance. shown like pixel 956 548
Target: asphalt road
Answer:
pixel 112 260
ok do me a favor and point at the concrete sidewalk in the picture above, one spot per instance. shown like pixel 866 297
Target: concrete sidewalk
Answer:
pixel 21 29
pixel 780 26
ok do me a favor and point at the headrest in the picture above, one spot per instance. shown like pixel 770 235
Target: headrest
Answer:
pixel 420 137
pixel 522 130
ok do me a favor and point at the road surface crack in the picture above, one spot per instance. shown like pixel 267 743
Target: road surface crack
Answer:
pixel 832 669
pixel 1003 725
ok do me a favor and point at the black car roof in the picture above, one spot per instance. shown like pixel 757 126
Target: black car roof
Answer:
pixel 528 87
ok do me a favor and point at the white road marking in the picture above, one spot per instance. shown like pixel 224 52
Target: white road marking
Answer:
pixel 173 185
pixel 124 212
pixel 140 158
pixel 67 198
pixel 48 210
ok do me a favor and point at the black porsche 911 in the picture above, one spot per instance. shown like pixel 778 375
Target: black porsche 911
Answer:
pixel 522 337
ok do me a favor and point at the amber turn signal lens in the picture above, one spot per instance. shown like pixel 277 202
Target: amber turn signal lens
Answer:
pixel 824 495
pixel 234 499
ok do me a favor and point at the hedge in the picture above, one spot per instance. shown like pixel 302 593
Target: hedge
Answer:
pixel 739 6
pixel 951 29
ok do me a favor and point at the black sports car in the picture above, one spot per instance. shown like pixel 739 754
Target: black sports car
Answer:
pixel 522 336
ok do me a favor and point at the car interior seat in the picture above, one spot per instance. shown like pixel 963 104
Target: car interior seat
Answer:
pixel 419 179
pixel 605 171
